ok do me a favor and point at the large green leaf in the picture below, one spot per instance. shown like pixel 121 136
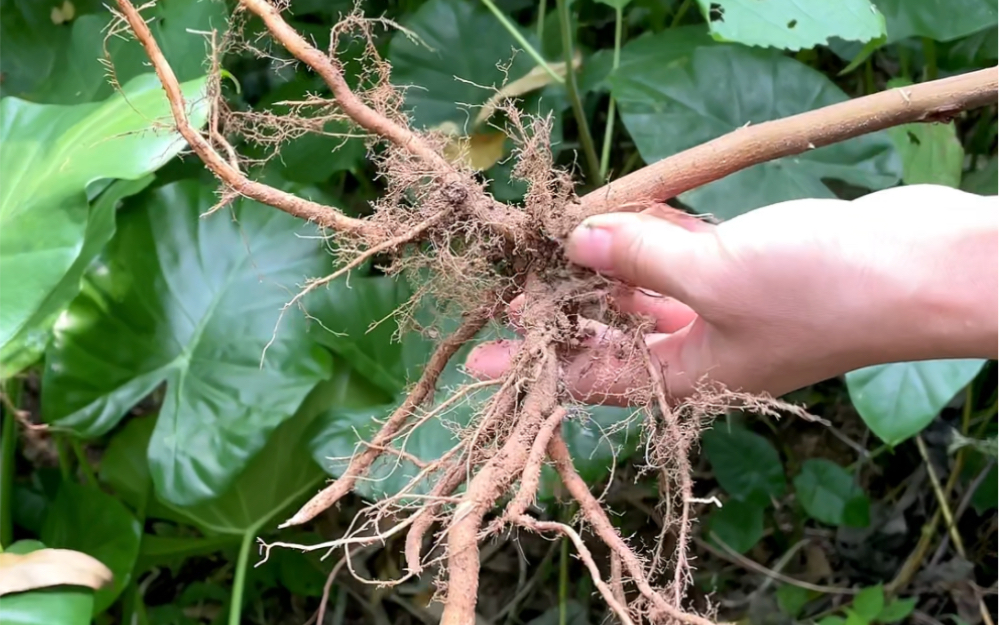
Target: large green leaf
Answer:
pixel 28 344
pixel 62 605
pixel 459 40
pixel 745 464
pixel 80 75
pixel 828 494
pixel 942 20
pixel 719 89
pixel 283 474
pixel 792 25
pixel 898 400
pixel 931 153
pixel 50 154
pixel 89 520
pixel 191 302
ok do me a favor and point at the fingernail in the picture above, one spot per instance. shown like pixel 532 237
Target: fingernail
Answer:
pixel 591 243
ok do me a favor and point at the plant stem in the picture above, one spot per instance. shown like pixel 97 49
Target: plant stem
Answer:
pixel 930 52
pixel 868 76
pixel 81 459
pixel 239 577
pixel 680 12
pixel 8 448
pixel 519 38
pixel 585 138
pixel 542 10
pixel 563 583
pixel 609 129
pixel 65 469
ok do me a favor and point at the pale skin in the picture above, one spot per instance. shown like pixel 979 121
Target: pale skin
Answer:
pixel 791 294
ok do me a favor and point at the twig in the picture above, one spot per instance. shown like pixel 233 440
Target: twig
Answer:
pixel 962 506
pixel 583 127
pixel 934 101
pixel 733 556
pixel 360 463
pixel 325 216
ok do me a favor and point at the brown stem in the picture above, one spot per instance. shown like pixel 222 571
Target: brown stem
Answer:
pixel 325 216
pixel 933 101
pixel 595 515
pixel 361 462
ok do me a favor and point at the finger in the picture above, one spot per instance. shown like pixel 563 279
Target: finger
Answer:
pixel 648 252
pixel 693 223
pixel 669 314
pixel 606 370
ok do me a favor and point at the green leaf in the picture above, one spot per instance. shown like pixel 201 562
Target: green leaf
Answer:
pixel 896 610
pixel 942 20
pixel 739 524
pixel 29 343
pixel 33 44
pixel 642 53
pixel 791 25
pixel 312 157
pixel 792 599
pixel 282 474
pixel 745 464
pixel 931 153
pixel 89 520
pixel 80 75
pixel 173 550
pixel 458 40
pixel 869 602
pixel 668 108
pixel 828 494
pixel 853 618
pixel 832 620
pixel 898 400
pixel 984 181
pixel 124 466
pixel 191 302
pixel 51 153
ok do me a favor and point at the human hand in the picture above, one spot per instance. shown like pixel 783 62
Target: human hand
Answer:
pixel 790 294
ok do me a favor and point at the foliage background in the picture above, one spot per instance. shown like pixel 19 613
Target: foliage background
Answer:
pixel 135 327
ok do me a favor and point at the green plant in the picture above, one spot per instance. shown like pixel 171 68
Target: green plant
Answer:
pixel 151 332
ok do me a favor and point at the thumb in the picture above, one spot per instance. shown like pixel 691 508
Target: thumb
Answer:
pixel 646 251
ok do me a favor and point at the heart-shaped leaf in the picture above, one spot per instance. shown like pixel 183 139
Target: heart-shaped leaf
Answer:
pixel 792 25
pixel 745 464
pixel 898 400
pixel 668 108
pixel 191 302
pixel 931 153
pixel 828 494
pixel 739 524
pixel 89 520
pixel 51 153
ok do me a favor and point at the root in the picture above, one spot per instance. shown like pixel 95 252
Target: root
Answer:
pixel 361 462
pixel 487 486
pixel 596 516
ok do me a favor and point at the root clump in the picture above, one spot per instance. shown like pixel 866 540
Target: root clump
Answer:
pixel 437 226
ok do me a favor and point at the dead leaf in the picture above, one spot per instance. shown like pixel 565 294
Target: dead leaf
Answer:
pixel 480 151
pixel 535 79
pixel 50 567
pixel 63 14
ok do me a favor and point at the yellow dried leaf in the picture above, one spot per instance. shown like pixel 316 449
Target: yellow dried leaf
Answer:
pixel 537 78
pixel 63 14
pixel 479 151
pixel 50 567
